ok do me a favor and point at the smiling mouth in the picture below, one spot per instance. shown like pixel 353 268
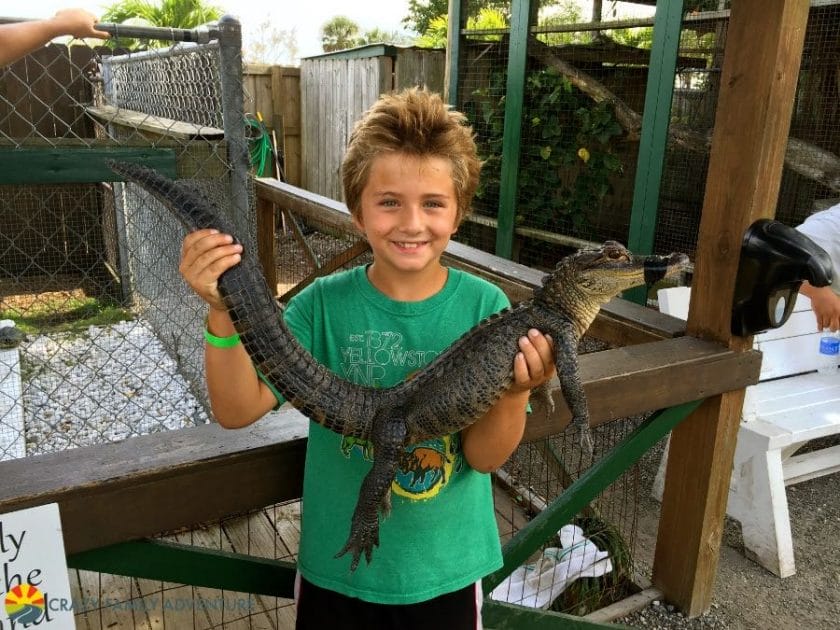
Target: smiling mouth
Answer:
pixel 408 245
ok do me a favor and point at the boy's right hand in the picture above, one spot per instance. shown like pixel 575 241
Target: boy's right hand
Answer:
pixel 206 255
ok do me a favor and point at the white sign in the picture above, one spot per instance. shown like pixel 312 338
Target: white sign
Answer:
pixel 35 589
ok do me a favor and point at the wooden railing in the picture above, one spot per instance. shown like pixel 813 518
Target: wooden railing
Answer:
pixel 180 478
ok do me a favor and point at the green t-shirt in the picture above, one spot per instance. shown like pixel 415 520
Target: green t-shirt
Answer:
pixel 441 534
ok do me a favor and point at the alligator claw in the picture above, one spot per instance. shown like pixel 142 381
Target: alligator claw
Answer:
pixel 363 540
pixel 586 442
pixel 584 434
pixel 543 393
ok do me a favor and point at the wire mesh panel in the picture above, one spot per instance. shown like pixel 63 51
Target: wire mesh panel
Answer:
pixel 812 154
pixel 584 96
pixel 114 601
pixel 574 185
pixel 105 337
pixel 143 82
pixel 574 178
pixel 110 344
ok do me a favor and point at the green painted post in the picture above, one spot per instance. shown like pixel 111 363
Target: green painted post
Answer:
pixel 583 491
pixel 453 51
pixel 654 140
pixel 511 140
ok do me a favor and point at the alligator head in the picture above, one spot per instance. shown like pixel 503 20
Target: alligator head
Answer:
pixel 583 281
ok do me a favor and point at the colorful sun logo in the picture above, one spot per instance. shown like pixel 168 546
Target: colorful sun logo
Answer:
pixel 24 604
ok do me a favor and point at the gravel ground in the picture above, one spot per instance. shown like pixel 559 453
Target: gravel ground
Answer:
pixel 746 596
pixel 102 385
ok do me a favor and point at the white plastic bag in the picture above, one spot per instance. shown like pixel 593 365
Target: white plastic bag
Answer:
pixel 537 585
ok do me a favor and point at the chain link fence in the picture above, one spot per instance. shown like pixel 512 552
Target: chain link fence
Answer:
pixel 111 343
pixel 106 337
pixel 576 169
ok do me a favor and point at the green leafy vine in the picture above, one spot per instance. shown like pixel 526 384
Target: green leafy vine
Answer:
pixel 568 154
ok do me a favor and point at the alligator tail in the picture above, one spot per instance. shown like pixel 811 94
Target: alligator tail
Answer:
pixel 192 210
pixel 317 392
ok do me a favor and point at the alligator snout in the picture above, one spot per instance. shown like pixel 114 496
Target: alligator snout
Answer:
pixel 660 267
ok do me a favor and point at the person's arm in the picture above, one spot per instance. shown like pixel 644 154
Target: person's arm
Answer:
pixel 237 396
pixel 489 441
pixel 21 38
pixel 826 305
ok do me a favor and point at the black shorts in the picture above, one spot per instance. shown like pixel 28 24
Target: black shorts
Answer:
pixel 319 608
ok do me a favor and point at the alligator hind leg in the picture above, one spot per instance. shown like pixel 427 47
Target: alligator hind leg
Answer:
pixel 387 437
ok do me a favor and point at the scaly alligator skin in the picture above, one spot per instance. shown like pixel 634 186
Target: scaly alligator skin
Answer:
pixel 448 394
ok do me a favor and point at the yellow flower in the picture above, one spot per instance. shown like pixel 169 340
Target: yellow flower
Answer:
pixel 583 154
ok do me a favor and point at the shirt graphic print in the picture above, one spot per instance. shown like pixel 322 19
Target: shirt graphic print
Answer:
pixel 424 468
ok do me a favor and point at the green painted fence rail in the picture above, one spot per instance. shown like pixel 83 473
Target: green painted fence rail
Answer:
pixel 62 165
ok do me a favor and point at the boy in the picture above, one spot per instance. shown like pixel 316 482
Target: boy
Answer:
pixel 409 176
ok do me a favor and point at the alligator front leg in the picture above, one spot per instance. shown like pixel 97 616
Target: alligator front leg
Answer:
pixel 387 437
pixel 568 372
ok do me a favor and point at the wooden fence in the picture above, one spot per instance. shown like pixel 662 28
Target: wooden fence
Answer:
pixel 274 92
pixel 337 88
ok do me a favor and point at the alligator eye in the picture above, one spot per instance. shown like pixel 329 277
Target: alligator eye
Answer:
pixel 615 254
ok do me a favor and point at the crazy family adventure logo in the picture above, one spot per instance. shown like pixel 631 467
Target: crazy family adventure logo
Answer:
pixel 25 604
pixel 34 585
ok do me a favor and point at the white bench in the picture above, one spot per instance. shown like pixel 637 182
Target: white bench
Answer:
pixel 791 405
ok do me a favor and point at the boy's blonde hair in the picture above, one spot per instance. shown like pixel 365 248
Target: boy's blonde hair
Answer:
pixel 419 123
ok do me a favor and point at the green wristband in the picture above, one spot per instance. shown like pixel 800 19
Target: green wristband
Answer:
pixel 221 342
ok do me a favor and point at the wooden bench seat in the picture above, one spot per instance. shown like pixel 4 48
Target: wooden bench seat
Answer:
pixel 791 406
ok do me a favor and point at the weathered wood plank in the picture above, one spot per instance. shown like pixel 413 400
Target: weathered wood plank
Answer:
pixel 155 124
pixel 256 84
pixel 172 605
pixel 237 610
pixel 286 118
pixel 335 92
pixel 627 381
pixel 758 80
pixel 620 322
pixel 111 601
pixel 286 519
pixel 181 478
pixel 254 535
pixel 83 614
pixel 165 480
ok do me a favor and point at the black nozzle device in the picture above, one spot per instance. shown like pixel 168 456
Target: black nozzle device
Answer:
pixel 775 259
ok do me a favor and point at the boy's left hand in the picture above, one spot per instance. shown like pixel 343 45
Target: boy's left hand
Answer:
pixel 534 364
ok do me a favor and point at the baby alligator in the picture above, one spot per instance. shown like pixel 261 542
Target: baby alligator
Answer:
pixel 450 393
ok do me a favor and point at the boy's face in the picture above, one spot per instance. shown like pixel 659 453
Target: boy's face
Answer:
pixel 408 212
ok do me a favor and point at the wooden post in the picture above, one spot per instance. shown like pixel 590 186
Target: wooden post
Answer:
pixel 285 118
pixel 758 81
